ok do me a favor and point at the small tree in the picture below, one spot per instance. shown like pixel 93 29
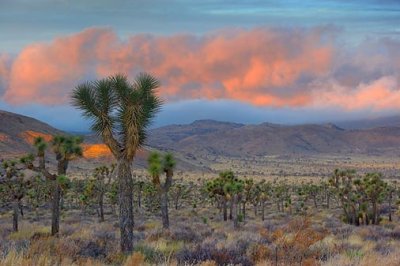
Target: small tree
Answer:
pixel 103 177
pixel 158 165
pixel 15 187
pixel 66 148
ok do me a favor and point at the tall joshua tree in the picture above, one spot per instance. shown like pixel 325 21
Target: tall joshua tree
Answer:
pixel 120 113
pixel 157 166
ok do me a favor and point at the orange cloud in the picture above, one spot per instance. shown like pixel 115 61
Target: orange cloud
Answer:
pixel 263 67
pixel 244 65
pixel 383 93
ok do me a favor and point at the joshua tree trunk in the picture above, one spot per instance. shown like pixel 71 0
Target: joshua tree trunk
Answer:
pixel 164 208
pixel 176 203
pixel 390 206
pixel 263 210
pixel 55 210
pixel 225 209
pixel 21 208
pixel 234 211
pixel 101 207
pixel 56 197
pixel 125 187
pixel 328 199
pixel 140 196
pixel 375 218
pixel 15 214
pixel 244 210
pixel 231 209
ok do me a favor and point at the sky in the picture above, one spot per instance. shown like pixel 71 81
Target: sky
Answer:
pixel 287 62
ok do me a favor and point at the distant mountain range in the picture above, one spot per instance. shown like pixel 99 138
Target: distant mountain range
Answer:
pixel 231 139
pixel 209 137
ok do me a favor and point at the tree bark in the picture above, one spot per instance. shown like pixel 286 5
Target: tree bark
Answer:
pixel 231 209
pixel 225 209
pixel 164 208
pixel 390 206
pixel 55 210
pixel 263 210
pixel 125 188
pixel 234 211
pixel 101 207
pixel 140 196
pixel 244 210
pixel 15 215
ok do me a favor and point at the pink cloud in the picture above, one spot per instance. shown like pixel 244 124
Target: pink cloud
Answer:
pixel 264 67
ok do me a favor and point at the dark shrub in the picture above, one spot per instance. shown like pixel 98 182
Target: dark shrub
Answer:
pixel 222 256
pixel 92 249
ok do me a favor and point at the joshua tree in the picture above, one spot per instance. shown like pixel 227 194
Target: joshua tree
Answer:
pixel 15 187
pixel 246 195
pixel 121 112
pixel 103 177
pixel 360 198
pixel 227 188
pixel 157 165
pixel 66 148
pixel 233 189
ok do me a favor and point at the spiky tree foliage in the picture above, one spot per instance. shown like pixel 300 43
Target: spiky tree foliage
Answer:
pixel 360 197
pixel 15 187
pixel 120 112
pixel 342 182
pixel 156 166
pixel 215 188
pixel 65 148
pixel 233 188
pixel 226 188
pixel 374 190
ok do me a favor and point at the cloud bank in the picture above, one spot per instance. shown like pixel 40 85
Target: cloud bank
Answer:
pixel 264 67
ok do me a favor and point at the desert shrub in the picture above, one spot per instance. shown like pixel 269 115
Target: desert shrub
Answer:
pixel 354 253
pixel 394 234
pixel 208 263
pixel 156 234
pixel 294 242
pixel 258 252
pixel 185 234
pixel 92 249
pixel 135 259
pixel 197 255
pixel 150 254
pixel 372 233
pixel 383 248
pixel 222 256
